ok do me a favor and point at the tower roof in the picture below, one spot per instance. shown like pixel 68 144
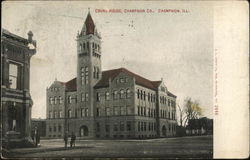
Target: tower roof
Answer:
pixel 89 23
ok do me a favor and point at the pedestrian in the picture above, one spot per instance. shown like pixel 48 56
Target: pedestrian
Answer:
pixel 65 139
pixel 72 141
pixel 36 136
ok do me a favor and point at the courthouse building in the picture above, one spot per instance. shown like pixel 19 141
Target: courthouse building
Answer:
pixel 16 102
pixel 114 103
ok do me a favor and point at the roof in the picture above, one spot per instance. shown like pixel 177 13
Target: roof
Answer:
pixel 171 94
pixel 70 85
pixel 90 26
pixel 111 74
pixel 7 34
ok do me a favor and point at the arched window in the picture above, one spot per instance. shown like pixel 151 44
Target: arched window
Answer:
pixel 128 93
pixel 50 100
pixel 69 113
pixel 55 100
pixel 121 93
pixel 107 95
pixel 115 95
pixel 144 95
pixel 70 99
pixel 55 114
pixel 60 100
pixel 141 94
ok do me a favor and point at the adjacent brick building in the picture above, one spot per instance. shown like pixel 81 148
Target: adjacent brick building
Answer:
pixel 115 103
pixel 16 102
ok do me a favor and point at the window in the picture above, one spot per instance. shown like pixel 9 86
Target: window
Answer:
pixel 82 112
pixel 149 97
pixel 141 111
pixel 86 97
pixel 55 114
pixel 107 128
pixel 98 97
pixel 80 48
pixel 69 113
pixel 98 127
pixel 128 126
pixel 60 114
pixel 141 94
pixel 115 94
pixel 122 93
pixel 55 100
pixel 54 128
pixel 123 110
pixel 129 110
pixel 144 95
pixel 97 112
pixel 168 102
pixel 107 111
pixel 13 71
pixel 50 115
pixel 138 110
pixel 94 73
pixel 121 80
pixel 97 72
pixel 86 112
pixel 145 126
pixel 115 127
pixel 59 128
pixel 50 100
pixel 50 129
pixel 107 96
pixel 138 93
pixel 84 46
pixel 139 126
pixel 144 113
pixel 82 76
pixel 121 126
pixel 60 100
pixel 75 113
pixel 116 110
pixel 128 93
pixel 83 97
pixel 69 99
pixel 86 75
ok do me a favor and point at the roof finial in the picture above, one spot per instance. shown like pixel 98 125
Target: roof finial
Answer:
pixel 89 10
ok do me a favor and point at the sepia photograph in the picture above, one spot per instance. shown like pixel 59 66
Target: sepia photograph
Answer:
pixel 106 79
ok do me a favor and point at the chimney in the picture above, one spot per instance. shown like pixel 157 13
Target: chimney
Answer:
pixel 30 35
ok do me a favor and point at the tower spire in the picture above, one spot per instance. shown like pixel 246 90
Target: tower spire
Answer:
pixel 89 26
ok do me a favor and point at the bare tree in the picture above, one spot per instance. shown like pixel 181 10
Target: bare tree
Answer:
pixel 190 110
pixel 182 115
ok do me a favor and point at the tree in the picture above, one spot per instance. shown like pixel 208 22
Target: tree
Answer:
pixel 190 110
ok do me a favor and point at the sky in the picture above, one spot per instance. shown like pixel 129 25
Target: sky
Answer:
pixel 177 47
